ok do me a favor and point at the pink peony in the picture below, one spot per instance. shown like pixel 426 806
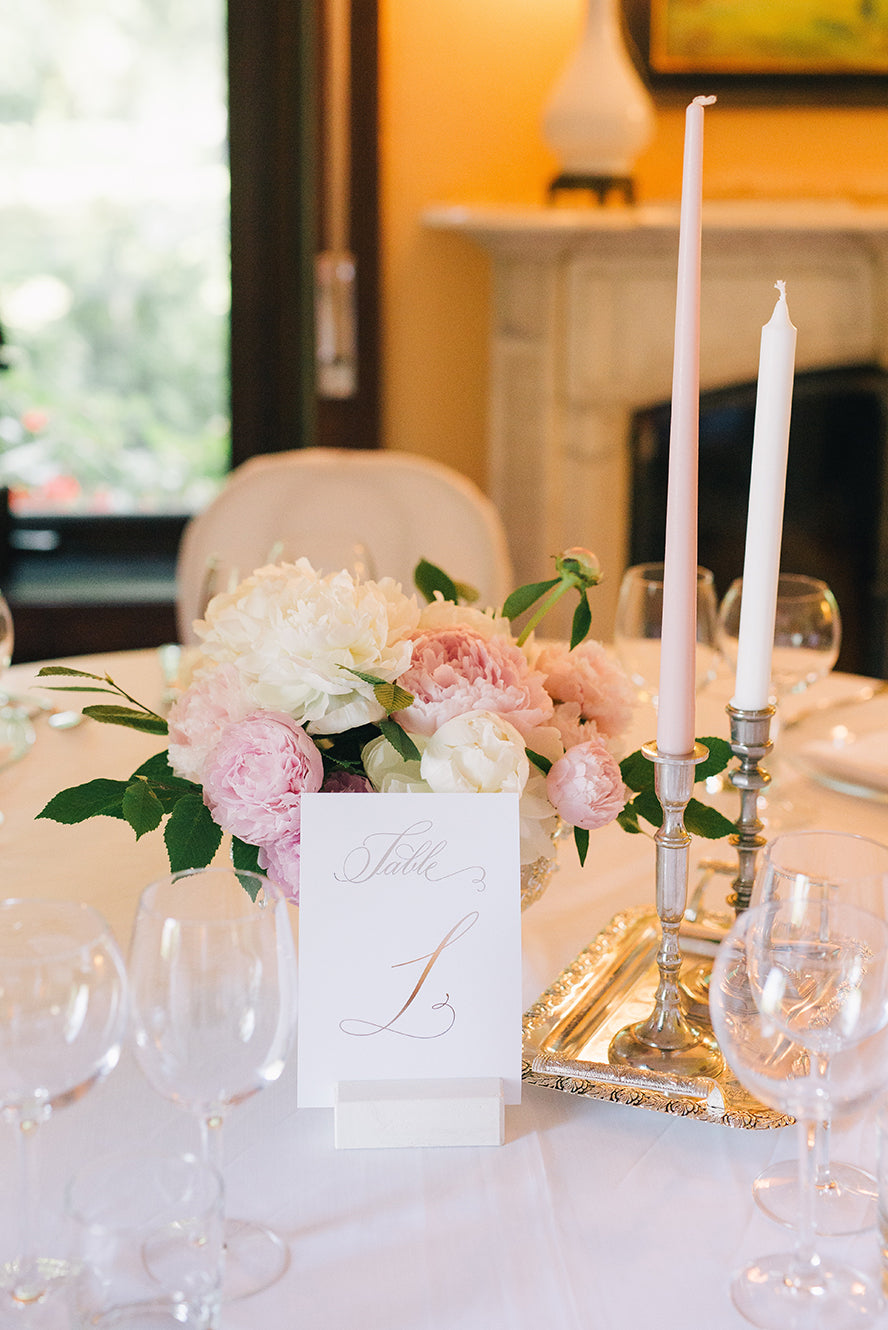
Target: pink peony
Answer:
pixel 455 670
pixel 592 681
pixel 585 786
pixel 280 860
pixel 256 773
pixel 211 702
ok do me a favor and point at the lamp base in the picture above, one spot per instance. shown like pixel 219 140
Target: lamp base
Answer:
pixel 599 185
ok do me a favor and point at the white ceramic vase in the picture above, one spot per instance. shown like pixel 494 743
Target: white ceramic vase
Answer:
pixel 600 115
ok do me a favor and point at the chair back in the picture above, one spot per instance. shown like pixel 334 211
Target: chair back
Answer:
pixel 373 513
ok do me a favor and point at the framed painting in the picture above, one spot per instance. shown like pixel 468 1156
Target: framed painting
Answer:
pixel 822 50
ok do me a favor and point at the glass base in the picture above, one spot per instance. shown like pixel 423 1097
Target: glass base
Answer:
pixel 775 1294
pixel 847 1204
pixel 255 1258
pixel 27 1295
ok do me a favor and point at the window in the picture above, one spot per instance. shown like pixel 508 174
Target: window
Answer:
pixel 114 286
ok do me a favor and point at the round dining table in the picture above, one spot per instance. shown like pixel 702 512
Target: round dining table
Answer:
pixel 593 1215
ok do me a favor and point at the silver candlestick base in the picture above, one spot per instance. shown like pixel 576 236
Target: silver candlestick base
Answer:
pixel 750 742
pixel 666 1041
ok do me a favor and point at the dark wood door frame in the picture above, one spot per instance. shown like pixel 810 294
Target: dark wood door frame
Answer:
pixel 274 108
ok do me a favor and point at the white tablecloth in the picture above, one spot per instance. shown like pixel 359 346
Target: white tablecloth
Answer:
pixel 593 1216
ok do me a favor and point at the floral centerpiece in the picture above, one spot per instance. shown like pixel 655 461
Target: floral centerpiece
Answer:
pixel 304 682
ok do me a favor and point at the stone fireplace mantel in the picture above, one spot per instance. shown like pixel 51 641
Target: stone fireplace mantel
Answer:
pixel 582 337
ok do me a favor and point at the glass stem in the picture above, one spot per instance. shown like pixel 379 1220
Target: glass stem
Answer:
pixel 821 1152
pixel 805 1250
pixel 29 1286
pixel 211 1141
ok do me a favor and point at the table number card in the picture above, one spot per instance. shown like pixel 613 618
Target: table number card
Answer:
pixel 409 941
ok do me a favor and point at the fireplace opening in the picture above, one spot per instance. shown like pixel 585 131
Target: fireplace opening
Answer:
pixel 835 524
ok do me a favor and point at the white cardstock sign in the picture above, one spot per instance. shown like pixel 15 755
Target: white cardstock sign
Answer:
pixel 409 940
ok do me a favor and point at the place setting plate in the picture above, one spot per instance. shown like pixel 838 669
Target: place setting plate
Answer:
pixel 844 747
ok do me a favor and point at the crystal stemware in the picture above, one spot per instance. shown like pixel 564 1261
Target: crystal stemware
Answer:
pixel 834 866
pixel 807 638
pixel 16 730
pixel 799 1005
pixel 638 625
pixel 62 1022
pixel 213 979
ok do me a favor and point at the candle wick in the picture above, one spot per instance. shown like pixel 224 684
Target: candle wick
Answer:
pixel 781 287
pixel 704 101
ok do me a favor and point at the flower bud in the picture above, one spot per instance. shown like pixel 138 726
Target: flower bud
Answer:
pixel 581 564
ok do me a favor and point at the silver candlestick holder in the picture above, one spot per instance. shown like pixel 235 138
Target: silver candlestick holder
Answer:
pixel 750 742
pixel 666 1040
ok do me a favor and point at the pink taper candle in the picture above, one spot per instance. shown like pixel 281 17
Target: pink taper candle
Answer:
pixel 764 525
pixel 675 706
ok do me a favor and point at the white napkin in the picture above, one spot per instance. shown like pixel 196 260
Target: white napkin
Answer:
pixel 856 759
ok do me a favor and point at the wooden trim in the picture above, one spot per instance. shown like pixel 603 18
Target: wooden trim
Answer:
pixel 271 60
pixel 274 111
pixel 355 422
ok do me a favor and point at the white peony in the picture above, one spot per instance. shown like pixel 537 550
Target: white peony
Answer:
pixel 294 635
pixel 478 753
pixel 388 772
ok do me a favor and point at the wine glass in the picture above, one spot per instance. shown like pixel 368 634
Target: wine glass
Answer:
pixel 833 866
pixel 213 980
pixel 16 730
pixel 807 638
pixel 807 631
pixel 799 1005
pixel 638 627
pixel 62 1022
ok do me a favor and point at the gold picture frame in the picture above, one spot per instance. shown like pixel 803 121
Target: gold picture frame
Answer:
pixel 769 36
pixel 818 50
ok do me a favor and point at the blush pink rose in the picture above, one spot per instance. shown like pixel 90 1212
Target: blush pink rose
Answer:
pixel 197 719
pixel 585 786
pixel 586 685
pixel 455 670
pixel 255 775
pixel 280 860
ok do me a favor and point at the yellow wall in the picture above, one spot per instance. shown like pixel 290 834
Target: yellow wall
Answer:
pixel 463 86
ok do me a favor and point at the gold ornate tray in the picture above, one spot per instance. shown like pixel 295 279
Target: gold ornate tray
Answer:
pixel 568 1029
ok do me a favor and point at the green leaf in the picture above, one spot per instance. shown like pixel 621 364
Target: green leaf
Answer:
pixel 157 770
pixel 191 835
pixel 245 859
pixel 538 760
pixel 134 720
pixel 400 740
pixel 94 799
pixel 142 808
pixel 627 818
pixel 647 805
pixel 467 593
pixel 392 698
pixel 637 771
pixel 581 840
pixel 720 755
pixel 429 579
pixel 65 670
pixel 582 621
pixel 523 597
pixel 702 820
pixel 78 688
